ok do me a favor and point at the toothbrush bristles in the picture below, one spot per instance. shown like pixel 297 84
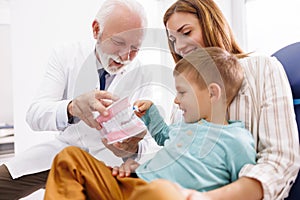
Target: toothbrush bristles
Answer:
pixel 135 108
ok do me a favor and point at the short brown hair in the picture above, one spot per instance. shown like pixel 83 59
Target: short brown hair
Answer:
pixel 213 65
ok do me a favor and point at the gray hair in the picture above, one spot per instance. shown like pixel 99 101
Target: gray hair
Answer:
pixel 108 6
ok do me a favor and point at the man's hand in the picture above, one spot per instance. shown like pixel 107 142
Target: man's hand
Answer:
pixel 84 105
pixel 143 106
pixel 126 168
pixel 126 148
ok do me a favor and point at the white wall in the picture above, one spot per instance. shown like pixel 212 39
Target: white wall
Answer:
pixel 6 103
pixel 272 24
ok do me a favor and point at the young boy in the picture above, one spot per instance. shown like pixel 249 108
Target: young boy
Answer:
pixel 202 153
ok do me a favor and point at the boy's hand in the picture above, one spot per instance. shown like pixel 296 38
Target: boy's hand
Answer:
pixel 126 168
pixel 143 106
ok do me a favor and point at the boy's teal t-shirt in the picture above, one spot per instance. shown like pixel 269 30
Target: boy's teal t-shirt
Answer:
pixel 201 156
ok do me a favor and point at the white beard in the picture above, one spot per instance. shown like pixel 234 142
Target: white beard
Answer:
pixel 104 59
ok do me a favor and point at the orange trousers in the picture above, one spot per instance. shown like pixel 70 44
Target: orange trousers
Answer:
pixel 75 174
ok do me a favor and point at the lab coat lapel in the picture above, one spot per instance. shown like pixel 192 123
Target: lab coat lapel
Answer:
pixel 87 78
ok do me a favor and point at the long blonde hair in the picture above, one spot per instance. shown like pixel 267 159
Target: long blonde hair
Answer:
pixel 216 30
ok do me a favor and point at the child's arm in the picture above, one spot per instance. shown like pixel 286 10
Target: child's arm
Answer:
pixel 152 119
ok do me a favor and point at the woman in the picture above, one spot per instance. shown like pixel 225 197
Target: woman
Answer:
pixel 264 103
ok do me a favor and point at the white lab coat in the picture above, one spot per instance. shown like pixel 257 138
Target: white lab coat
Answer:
pixel 63 82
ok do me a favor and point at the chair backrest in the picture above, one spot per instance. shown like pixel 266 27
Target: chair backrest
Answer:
pixel 289 57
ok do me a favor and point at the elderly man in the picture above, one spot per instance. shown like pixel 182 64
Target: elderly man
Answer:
pixel 69 96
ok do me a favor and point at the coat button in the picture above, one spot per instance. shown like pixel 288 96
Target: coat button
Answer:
pixel 189 133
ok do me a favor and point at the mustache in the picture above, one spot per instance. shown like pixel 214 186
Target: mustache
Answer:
pixel 117 59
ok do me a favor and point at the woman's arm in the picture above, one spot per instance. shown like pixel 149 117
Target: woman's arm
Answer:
pixel 244 188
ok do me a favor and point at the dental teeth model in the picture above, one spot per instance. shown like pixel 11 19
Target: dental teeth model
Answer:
pixel 121 123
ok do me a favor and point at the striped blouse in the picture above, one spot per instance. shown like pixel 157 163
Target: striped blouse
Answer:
pixel 265 104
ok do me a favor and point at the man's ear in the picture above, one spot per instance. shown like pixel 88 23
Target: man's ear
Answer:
pixel 214 91
pixel 96 29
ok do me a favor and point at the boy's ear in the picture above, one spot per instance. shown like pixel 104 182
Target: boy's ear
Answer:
pixel 96 29
pixel 214 91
